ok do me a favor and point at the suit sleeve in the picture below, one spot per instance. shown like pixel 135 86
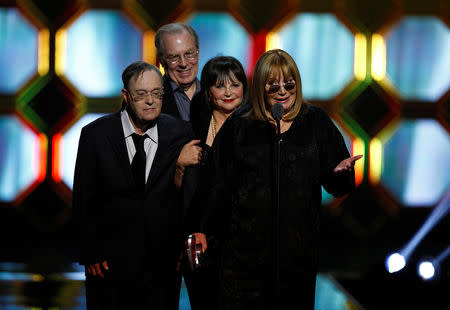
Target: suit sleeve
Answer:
pixel 85 202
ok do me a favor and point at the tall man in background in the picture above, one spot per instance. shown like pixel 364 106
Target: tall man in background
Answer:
pixel 177 47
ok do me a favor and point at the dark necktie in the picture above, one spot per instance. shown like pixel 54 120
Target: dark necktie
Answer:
pixel 138 162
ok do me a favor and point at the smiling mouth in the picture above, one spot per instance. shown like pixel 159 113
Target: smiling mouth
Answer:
pixel 184 71
pixel 228 100
pixel 282 100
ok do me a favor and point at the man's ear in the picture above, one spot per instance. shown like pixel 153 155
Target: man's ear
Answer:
pixel 125 95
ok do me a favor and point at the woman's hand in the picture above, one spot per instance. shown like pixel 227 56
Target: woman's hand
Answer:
pixel 201 239
pixel 347 164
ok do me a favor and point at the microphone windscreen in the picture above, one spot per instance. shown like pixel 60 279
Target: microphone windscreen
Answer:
pixel 277 111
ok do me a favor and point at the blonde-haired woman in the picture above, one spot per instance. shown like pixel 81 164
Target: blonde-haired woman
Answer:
pixel 241 190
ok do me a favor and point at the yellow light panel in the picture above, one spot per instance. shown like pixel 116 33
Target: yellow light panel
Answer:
pixel 60 51
pixel 360 62
pixel 44 52
pixel 358 149
pixel 378 57
pixel 148 47
pixel 272 41
pixel 376 160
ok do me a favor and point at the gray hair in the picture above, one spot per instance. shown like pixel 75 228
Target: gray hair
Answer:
pixel 137 68
pixel 171 29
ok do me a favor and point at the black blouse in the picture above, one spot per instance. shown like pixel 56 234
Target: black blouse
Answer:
pixel 237 193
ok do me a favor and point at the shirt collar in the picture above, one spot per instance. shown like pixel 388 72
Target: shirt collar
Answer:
pixel 175 86
pixel 128 128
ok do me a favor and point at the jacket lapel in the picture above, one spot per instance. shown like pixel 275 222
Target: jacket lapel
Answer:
pixel 116 138
pixel 160 159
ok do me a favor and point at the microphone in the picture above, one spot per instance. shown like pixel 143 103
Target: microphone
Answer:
pixel 277 112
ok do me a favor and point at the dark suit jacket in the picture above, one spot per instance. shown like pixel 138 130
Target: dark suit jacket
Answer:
pixel 169 106
pixel 117 223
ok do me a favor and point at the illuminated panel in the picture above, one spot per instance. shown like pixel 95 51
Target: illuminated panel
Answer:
pixel 97 47
pixel 378 57
pixel 67 149
pixel 360 56
pixel 220 34
pixel 20 157
pixel 18 50
pixel 418 58
pixel 330 295
pixel 416 164
pixel 323 50
pixel 326 197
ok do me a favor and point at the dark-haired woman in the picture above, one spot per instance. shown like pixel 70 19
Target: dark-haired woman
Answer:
pixel 223 90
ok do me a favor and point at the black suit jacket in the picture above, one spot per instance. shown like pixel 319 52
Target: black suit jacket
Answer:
pixel 116 222
pixel 169 106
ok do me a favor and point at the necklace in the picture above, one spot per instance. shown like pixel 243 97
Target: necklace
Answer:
pixel 213 125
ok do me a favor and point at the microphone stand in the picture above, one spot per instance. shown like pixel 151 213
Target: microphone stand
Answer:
pixel 277 215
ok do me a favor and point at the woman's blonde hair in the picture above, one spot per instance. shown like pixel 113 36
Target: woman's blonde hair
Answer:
pixel 271 61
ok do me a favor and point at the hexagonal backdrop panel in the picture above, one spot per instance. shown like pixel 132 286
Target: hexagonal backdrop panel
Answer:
pixel 416 162
pixel 100 45
pixel 418 58
pixel 323 49
pixel 20 160
pixel 219 34
pixel 68 147
pixel 18 50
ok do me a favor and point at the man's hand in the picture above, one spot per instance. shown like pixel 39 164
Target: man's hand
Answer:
pixel 347 164
pixel 190 154
pixel 96 270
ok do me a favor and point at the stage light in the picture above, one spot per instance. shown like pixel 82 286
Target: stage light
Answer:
pixel 426 270
pixel 395 262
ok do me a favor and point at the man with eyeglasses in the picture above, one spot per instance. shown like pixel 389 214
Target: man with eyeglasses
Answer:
pixel 125 201
pixel 177 47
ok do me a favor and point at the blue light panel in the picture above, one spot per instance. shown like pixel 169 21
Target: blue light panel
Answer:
pixel 19 157
pixel 416 162
pixel 323 50
pixel 219 34
pixel 100 45
pixel 418 58
pixel 18 50
pixel 69 147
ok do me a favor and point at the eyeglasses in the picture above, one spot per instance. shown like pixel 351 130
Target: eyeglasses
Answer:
pixel 156 94
pixel 275 88
pixel 190 55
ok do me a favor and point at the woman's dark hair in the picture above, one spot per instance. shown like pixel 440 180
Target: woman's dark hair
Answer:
pixel 216 71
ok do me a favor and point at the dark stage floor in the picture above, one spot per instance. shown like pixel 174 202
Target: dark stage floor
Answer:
pixel 23 287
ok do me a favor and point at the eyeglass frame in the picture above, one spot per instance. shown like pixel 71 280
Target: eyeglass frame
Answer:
pixel 275 88
pixel 139 98
pixel 186 55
